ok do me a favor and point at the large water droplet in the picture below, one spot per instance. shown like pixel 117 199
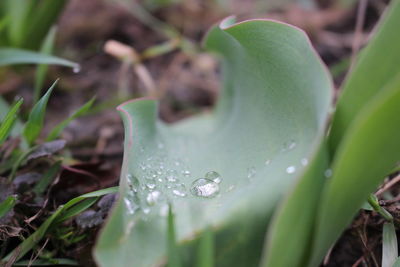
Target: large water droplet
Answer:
pixel 214 176
pixel 204 187
pixel 153 197
pixel 291 169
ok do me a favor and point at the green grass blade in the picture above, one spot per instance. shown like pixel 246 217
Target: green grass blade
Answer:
pixel 41 70
pixel 206 249
pixel 174 258
pixel 18 11
pixel 45 15
pixel 76 209
pixel 8 122
pixel 369 151
pixel 35 121
pixel 389 245
pixel 47 178
pixel 378 63
pixel 57 130
pixel 11 56
pixel 7 204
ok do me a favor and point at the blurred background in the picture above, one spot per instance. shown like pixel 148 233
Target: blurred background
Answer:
pixel 128 49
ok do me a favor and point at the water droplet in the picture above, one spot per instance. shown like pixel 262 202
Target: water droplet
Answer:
pixel 178 193
pixel 130 205
pixel 186 172
pixel 76 68
pixel 251 172
pixel 204 188
pixel 179 190
pixel 153 197
pixel 292 145
pixel 146 210
pixel 304 161
pixel 132 182
pixel 160 145
pixel 151 185
pixel 291 169
pixel 328 173
pixel 230 188
pixel 267 162
pixel 288 146
pixel 142 166
pixel 214 176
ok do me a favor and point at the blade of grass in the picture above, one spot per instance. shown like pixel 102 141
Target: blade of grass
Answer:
pixel 18 11
pixel 9 120
pixel 7 204
pixel 358 167
pixel 57 130
pixel 366 80
pixel 45 15
pixel 47 178
pixel 174 259
pixel 11 56
pixel 34 124
pixel 76 209
pixel 205 251
pixel 389 245
pixel 41 70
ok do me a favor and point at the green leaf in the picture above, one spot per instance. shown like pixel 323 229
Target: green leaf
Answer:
pixel 271 115
pixel 397 263
pixel 11 56
pixel 389 245
pixel 47 178
pixel 34 125
pixel 7 204
pixel 57 130
pixel 378 63
pixel 41 70
pixel 286 237
pixel 9 120
pixel 359 166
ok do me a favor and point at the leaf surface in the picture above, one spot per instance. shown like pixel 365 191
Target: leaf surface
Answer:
pixel 271 115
